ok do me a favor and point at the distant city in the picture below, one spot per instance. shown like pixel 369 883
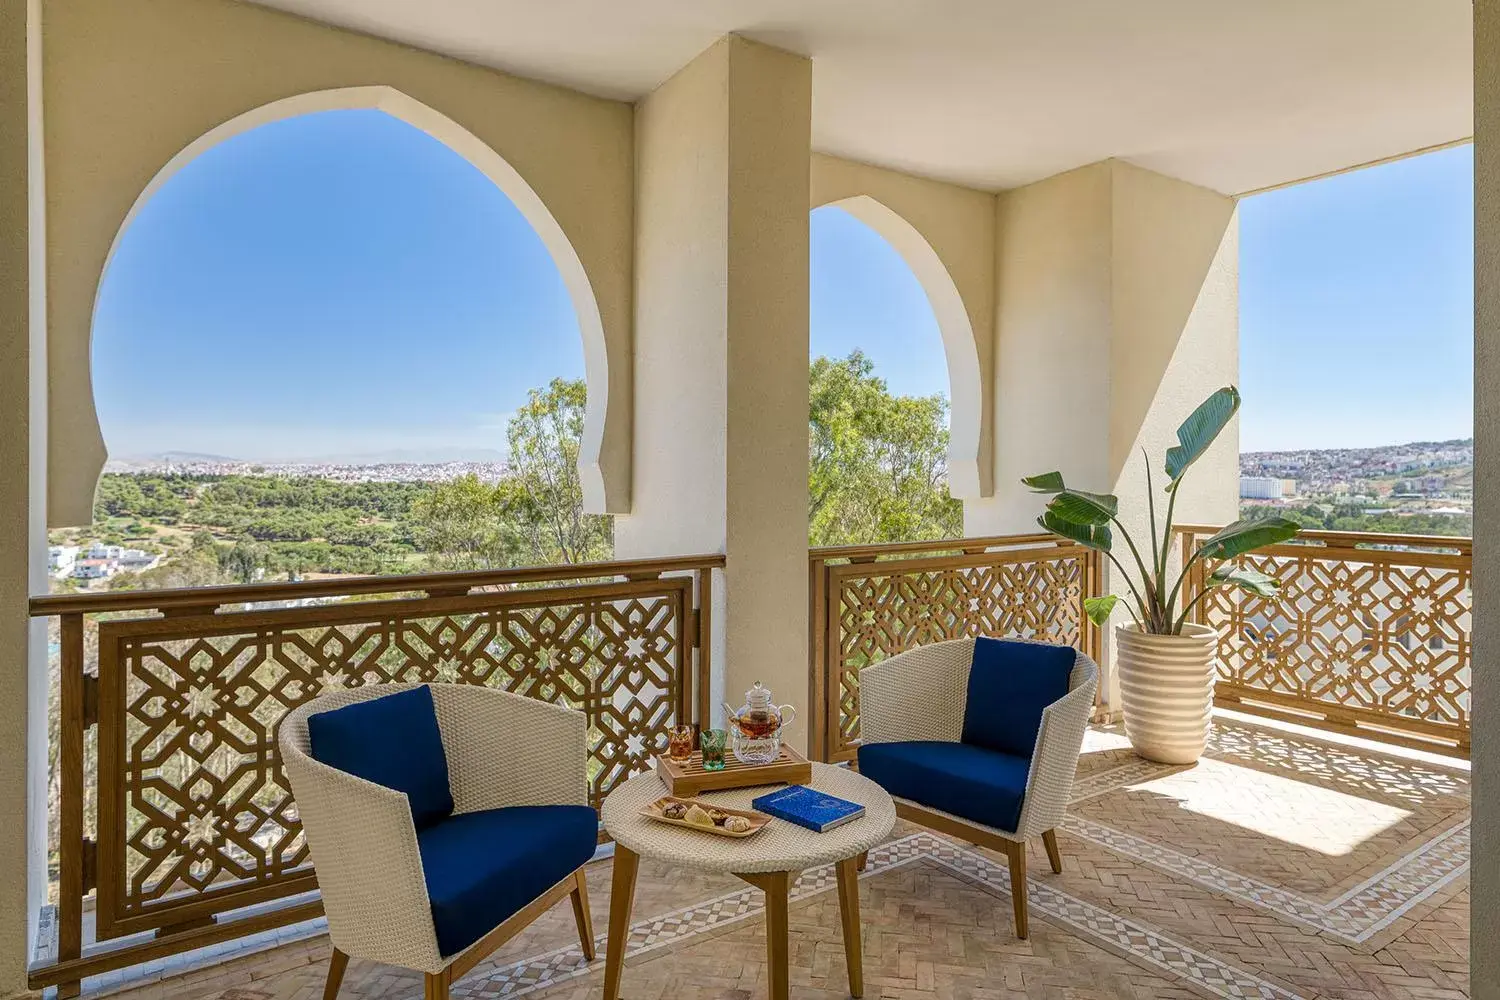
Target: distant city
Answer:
pixel 380 468
pixel 1420 478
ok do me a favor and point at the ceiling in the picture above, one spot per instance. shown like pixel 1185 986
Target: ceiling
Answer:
pixel 1234 95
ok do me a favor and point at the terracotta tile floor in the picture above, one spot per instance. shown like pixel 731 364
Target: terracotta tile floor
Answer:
pixel 1281 866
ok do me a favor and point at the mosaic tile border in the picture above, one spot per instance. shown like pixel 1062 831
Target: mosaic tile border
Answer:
pixel 1352 918
pixel 1115 933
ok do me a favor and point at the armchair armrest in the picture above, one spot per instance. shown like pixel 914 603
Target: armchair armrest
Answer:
pixel 507 749
pixel 916 695
pixel 1054 762
pixel 369 867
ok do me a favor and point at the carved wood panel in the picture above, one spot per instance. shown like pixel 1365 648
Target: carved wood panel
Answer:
pixel 878 609
pixel 195 815
pixel 1363 636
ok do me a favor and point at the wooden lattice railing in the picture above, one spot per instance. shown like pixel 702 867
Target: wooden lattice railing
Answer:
pixel 173 807
pixel 1371 635
pixel 871 601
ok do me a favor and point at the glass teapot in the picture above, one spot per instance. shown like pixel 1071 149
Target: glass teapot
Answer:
pixel 756 726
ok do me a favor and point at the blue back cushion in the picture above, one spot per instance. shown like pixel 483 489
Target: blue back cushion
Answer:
pixel 393 741
pixel 1009 684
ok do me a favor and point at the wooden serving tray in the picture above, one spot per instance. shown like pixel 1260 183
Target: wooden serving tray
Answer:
pixel 689 778
pixel 757 820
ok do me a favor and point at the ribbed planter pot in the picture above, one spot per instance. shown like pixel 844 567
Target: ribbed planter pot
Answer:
pixel 1167 690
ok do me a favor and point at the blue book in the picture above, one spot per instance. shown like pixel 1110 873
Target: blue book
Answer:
pixel 818 811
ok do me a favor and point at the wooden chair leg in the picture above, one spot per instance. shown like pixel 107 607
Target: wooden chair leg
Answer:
pixel 581 915
pixel 861 860
pixel 435 986
pixel 1015 852
pixel 1054 856
pixel 337 963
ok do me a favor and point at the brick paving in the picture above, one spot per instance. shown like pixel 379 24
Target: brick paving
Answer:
pixel 1282 866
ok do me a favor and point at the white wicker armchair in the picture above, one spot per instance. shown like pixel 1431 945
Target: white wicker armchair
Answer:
pixel 502 750
pixel 922 694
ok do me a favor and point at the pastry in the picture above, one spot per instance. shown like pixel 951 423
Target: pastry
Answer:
pixel 736 824
pixel 674 810
pixel 697 817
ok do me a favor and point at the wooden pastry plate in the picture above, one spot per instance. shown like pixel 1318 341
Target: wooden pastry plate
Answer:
pixel 757 820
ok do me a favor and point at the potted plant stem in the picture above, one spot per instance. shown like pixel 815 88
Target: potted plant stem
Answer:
pixel 1166 662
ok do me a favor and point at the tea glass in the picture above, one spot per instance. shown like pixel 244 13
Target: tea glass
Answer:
pixel 713 742
pixel 680 743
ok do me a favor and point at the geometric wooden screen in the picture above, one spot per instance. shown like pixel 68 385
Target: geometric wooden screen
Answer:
pixel 194 813
pixel 874 609
pixel 1367 640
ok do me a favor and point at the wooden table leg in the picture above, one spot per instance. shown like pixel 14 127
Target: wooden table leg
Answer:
pixel 848 875
pixel 777 887
pixel 621 899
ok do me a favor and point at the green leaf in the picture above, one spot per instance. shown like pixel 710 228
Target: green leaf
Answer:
pixel 1199 430
pixel 1047 482
pixel 1100 608
pixel 1084 508
pixel 1250 580
pixel 1247 536
pixel 1094 536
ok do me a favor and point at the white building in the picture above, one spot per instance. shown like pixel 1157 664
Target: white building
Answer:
pixel 1266 488
pixel 93 569
pixel 60 559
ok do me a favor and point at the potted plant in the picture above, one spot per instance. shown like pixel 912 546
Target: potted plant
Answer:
pixel 1166 662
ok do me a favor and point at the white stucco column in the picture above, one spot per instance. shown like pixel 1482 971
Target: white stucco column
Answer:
pixel 1484 910
pixel 721 347
pixel 23 673
pixel 1116 314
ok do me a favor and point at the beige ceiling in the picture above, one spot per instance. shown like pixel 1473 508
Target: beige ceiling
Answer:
pixel 1231 94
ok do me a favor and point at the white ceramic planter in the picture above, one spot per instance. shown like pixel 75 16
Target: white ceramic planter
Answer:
pixel 1167 690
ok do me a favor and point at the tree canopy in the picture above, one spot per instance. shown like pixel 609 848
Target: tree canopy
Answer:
pixel 876 472
pixel 877 463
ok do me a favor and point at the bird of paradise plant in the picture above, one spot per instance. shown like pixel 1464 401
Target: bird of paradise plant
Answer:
pixel 1091 519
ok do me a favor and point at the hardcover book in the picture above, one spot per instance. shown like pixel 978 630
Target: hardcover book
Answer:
pixel 818 811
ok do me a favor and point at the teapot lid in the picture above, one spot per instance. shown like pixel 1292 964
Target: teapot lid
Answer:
pixel 758 698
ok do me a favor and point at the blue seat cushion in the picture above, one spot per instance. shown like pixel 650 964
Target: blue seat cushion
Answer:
pixel 393 741
pixel 481 867
pixel 1009 684
pixel 983 786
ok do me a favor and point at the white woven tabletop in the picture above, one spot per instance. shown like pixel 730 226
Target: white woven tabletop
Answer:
pixel 780 847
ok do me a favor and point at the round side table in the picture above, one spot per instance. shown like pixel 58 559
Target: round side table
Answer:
pixel 770 861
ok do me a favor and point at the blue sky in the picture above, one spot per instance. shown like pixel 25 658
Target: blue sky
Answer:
pixel 1357 307
pixel 342 284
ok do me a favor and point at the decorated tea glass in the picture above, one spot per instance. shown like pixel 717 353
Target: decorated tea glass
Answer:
pixel 680 743
pixel 713 742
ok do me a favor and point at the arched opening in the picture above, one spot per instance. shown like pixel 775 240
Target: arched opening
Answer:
pixel 895 383
pixel 404 335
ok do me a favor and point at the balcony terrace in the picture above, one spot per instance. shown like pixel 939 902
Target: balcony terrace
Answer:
pixel 1062 179
pixel 1287 863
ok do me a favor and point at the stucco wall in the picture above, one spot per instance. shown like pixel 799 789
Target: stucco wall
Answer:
pixel 1052 332
pixel 23 711
pixel 722 345
pixel 681 379
pixel 1116 314
pixel 946 234
pixel 130 84
pixel 1484 909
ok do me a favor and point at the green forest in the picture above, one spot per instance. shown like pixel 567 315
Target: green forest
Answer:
pixel 876 473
